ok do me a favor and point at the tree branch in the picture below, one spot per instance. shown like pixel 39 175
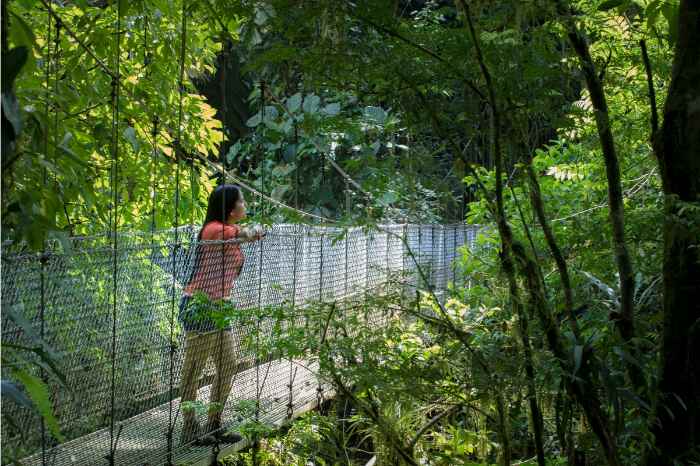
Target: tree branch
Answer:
pixel 650 85
pixel 70 32
pixel 431 423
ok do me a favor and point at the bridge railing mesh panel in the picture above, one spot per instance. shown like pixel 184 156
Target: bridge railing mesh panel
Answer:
pixel 124 360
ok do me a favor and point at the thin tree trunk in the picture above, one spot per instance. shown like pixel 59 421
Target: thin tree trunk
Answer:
pixel 538 207
pixel 506 455
pixel 524 323
pixel 677 146
pixel 535 412
pixel 624 321
pixel 507 263
pixel 583 388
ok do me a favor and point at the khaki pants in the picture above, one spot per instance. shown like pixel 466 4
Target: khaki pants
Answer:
pixel 221 346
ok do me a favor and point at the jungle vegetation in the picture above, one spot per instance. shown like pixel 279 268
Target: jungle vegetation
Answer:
pixel 569 129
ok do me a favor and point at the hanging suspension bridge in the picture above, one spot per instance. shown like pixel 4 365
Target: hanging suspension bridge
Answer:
pixel 123 364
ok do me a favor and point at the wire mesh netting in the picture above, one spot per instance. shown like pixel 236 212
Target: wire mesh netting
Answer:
pixel 113 318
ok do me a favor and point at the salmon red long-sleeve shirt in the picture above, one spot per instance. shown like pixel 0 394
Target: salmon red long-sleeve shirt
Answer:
pixel 217 264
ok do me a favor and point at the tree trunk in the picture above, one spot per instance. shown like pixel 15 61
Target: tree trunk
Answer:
pixel 624 320
pixel 677 146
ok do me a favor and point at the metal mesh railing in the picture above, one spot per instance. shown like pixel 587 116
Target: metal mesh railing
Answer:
pixel 123 390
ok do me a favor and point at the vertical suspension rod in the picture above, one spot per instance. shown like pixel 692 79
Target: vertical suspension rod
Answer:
pixel 454 256
pixel 42 261
pixel 290 403
pixel 176 247
pixel 319 390
pixel 113 439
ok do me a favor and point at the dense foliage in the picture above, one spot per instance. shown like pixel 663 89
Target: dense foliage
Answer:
pixel 570 332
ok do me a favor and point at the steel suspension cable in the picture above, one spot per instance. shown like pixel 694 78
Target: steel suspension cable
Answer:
pixel 292 369
pixel 297 162
pixel 261 150
pixel 56 52
pixel 176 247
pixel 42 257
pixel 114 437
pixel 153 175
pixel 88 50
pixel 319 389
pixel 261 213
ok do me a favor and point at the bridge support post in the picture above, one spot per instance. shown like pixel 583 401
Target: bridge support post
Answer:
pixel 292 323
pixel 319 389
pixel 454 256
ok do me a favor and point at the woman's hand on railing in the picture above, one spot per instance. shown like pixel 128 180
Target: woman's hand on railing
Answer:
pixel 254 233
pixel 259 232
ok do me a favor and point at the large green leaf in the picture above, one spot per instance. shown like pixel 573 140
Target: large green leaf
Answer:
pixel 12 63
pixel 22 35
pixel 38 392
pixel 12 392
pixel 130 135
pixel 254 121
pixel 294 102
pixel 11 112
pixel 311 103
pixel 375 114
pixel 332 109
pixel 670 11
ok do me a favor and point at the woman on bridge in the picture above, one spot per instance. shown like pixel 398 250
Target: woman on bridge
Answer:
pixel 218 261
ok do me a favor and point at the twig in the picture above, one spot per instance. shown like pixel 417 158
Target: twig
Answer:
pixel 430 424
pixel 89 51
pixel 650 84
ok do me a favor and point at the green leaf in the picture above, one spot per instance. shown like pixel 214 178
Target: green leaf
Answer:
pixel 311 103
pixel 11 111
pixel 130 135
pixel 389 197
pixel 279 191
pixel 22 34
pixel 233 151
pixel 12 392
pixel 375 114
pixel 73 156
pixel 270 113
pixel 16 316
pixel 254 121
pixel 290 152
pixel 124 7
pixel 294 102
pixel 39 394
pixel 680 401
pixel 46 360
pixel 63 238
pixel 12 63
pixel 652 12
pixel 332 109
pixel 670 12
pixel 626 356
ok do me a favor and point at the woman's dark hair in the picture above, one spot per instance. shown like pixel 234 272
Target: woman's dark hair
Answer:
pixel 221 202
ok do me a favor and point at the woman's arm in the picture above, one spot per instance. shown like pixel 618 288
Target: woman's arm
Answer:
pixel 250 234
